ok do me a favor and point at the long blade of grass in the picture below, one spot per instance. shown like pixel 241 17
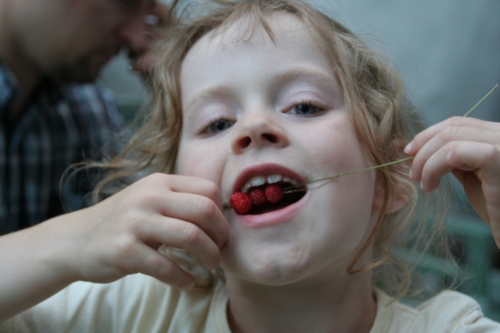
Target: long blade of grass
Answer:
pixel 299 187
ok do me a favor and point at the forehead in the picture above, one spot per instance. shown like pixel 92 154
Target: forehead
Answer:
pixel 248 30
pixel 218 54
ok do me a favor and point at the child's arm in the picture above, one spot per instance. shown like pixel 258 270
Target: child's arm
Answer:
pixel 470 149
pixel 112 239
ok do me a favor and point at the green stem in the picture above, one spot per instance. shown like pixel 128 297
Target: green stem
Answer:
pixel 481 100
pixel 299 187
pixel 348 173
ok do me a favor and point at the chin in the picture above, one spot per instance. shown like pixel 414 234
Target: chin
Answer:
pixel 277 269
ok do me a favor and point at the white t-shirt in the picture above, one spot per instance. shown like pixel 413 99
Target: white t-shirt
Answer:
pixel 141 304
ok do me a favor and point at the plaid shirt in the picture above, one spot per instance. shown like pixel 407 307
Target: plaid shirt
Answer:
pixel 61 126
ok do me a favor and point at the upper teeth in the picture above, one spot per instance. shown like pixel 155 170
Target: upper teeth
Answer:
pixel 261 180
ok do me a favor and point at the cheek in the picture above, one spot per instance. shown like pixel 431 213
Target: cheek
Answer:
pixel 339 154
pixel 189 161
pixel 352 219
pixel 198 161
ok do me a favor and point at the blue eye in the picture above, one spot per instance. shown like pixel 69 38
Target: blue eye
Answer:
pixel 304 109
pixel 219 125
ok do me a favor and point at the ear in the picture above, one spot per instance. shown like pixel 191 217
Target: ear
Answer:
pixel 394 203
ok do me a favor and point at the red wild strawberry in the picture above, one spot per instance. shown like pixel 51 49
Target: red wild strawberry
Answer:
pixel 274 193
pixel 240 202
pixel 258 197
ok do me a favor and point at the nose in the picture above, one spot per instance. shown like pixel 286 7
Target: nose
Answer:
pixel 258 130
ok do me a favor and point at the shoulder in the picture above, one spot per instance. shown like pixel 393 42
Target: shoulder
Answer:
pixel 92 118
pixel 136 303
pixel 91 103
pixel 8 85
pixel 88 92
pixel 449 311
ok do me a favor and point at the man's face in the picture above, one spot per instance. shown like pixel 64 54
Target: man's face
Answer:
pixel 90 34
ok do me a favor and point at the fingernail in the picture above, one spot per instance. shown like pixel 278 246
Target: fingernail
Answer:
pixel 408 147
pixel 410 174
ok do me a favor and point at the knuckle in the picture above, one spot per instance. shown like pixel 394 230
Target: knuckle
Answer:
pixel 128 247
pixel 448 134
pixel 157 178
pixel 190 234
pixel 455 121
pixel 206 208
pixel 166 269
pixel 132 220
pixel 212 190
pixel 492 153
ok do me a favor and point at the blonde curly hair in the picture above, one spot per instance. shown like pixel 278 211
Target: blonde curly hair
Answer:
pixel 383 117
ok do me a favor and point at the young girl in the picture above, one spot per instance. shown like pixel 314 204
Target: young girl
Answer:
pixel 254 97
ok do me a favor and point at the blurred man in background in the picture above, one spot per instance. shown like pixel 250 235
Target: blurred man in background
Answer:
pixel 50 116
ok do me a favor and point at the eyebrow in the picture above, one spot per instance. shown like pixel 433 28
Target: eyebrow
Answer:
pixel 308 73
pixel 219 92
pixel 280 78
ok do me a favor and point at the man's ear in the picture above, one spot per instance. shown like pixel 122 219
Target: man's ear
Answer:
pixel 394 202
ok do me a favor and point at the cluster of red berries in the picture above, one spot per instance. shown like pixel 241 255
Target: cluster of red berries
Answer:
pixel 242 202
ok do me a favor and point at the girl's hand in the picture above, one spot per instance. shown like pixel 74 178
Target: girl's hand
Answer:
pixel 470 149
pixel 122 234
pixel 114 238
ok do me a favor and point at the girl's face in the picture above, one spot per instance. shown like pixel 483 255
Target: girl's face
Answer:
pixel 254 108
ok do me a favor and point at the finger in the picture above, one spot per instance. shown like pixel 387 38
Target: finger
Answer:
pixel 462 155
pixel 433 169
pixel 454 127
pixel 182 235
pixel 196 200
pixel 200 211
pixel 187 184
pixel 191 199
pixel 485 160
pixel 145 260
pixel 477 156
pixel 429 141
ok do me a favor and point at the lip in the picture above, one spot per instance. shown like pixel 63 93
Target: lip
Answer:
pixel 274 217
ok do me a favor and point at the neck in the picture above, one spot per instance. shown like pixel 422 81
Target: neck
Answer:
pixel 339 306
pixel 13 55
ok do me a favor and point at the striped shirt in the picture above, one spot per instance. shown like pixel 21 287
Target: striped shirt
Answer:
pixel 61 126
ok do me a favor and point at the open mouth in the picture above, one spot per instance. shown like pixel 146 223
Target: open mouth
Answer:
pixel 291 195
pixel 262 194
